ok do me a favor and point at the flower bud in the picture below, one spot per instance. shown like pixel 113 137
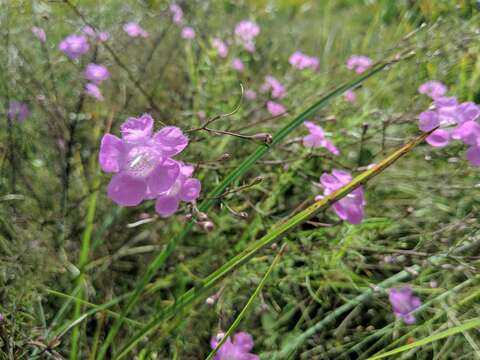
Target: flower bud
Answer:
pixel 207 226
pixel 265 137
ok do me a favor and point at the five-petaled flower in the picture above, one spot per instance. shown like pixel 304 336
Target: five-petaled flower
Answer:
pixel 359 63
pixel 188 33
pixel 246 31
pixel 317 138
pixel 349 208
pixel 273 86
pixel 74 46
pixel 302 61
pixel 238 349
pixel 144 167
pixel 134 30
pixel 404 303
pixel 96 73
pixel 221 47
pixel 275 109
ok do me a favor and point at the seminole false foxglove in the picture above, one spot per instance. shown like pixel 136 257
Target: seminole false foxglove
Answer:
pixel 144 167
pixel 404 303
pixel 238 349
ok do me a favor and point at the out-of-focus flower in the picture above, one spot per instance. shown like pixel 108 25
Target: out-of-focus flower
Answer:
pixel 359 63
pixel 349 208
pixel 101 36
pixel 275 109
pixel 246 31
pixel 89 31
pixel 39 33
pixel 144 168
pixel 403 303
pixel 274 86
pixel 351 96
pixel 188 33
pixel 177 13
pixel 96 73
pixel 135 30
pixel 18 111
pixel 74 46
pixel 237 65
pixel 250 94
pixel 238 349
pixel 221 47
pixel 301 61
pixel 433 88
pixel 93 91
pixel 316 138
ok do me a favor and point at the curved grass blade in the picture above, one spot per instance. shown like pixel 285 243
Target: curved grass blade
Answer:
pixel 277 232
pixel 231 177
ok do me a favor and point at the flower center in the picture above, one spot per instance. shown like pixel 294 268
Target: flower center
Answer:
pixel 141 160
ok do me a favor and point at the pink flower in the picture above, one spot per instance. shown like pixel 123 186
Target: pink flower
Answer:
pixel 39 33
pixel 237 65
pixel 359 63
pixel 350 96
pixel 93 91
pixel 250 94
pixel 275 109
pixel 144 168
pixel 349 208
pixel 246 31
pixel 238 349
pixel 273 85
pixel 221 47
pixel 96 73
pixel 18 111
pixel 134 30
pixel 432 88
pixel 188 33
pixel 89 31
pixel 74 46
pixel 404 303
pixel 101 36
pixel 177 13
pixel 317 138
pixel 301 61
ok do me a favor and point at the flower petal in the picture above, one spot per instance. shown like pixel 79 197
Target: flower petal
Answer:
pixel 163 176
pixel 166 205
pixel 473 155
pixel 439 138
pixel 190 190
pixel 111 153
pixel 126 190
pixel 428 120
pixel 170 140
pixel 243 340
pixel 135 129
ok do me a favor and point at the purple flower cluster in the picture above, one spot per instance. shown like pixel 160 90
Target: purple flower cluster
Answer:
pixel 101 36
pixel 221 47
pixel 301 61
pixel 177 13
pixel 359 63
pixel 18 111
pixel 237 64
pixel 238 349
pixel 74 46
pixel 453 120
pixel 350 208
pixel 246 31
pixel 404 303
pixel 144 167
pixel 134 30
pixel 96 74
pixel 317 138
pixel 188 33
pixel 276 89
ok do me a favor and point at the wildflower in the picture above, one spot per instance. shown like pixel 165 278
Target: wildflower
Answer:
pixel 144 168
pixel 134 30
pixel 250 94
pixel 317 138
pixel 359 63
pixel 301 61
pixel 18 111
pixel 246 31
pixel 96 73
pixel 39 33
pixel 238 349
pixel 432 88
pixel 177 13
pixel 74 46
pixel 349 208
pixel 101 36
pixel 403 303
pixel 221 47
pixel 275 109
pixel 273 85
pixel 351 96
pixel 188 33
pixel 89 31
pixel 93 91
pixel 237 65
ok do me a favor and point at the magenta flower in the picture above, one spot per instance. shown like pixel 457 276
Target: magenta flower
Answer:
pixel 89 31
pixel 18 111
pixel 177 13
pixel 93 91
pixel 275 109
pixel 246 31
pixel 39 33
pixel 237 65
pixel 433 88
pixel 188 33
pixel 349 208
pixel 317 138
pixel 359 63
pixel 144 168
pixel 301 61
pixel 238 349
pixel 403 303
pixel 134 30
pixel 221 47
pixel 350 96
pixel 74 46
pixel 250 94
pixel 275 87
pixel 96 73
pixel 101 36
